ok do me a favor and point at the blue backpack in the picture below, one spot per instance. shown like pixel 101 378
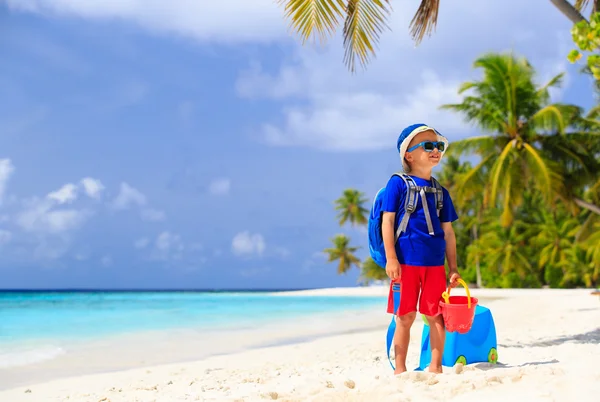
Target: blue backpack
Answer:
pixel 375 236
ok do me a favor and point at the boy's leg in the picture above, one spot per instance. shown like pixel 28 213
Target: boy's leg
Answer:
pixel 434 284
pixel 437 338
pixel 406 315
pixel 402 339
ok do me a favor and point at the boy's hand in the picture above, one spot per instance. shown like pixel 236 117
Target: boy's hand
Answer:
pixel 454 277
pixel 392 268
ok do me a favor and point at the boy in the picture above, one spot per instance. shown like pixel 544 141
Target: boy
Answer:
pixel 417 258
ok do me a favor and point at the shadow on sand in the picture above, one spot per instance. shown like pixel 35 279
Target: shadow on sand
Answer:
pixel 585 338
pixel 489 366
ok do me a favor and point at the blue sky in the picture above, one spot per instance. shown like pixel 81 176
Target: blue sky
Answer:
pixel 178 144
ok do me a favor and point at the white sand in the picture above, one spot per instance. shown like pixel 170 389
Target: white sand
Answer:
pixel 549 349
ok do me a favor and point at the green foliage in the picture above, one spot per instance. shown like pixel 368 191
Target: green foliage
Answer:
pixel 343 253
pixel 587 38
pixel 528 208
pixel 370 272
pixel 527 141
pixel 350 208
pixel 362 22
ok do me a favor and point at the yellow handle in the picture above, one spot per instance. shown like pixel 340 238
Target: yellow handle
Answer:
pixel 446 294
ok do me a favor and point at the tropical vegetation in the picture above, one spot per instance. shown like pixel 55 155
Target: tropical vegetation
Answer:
pixel 529 204
pixel 365 20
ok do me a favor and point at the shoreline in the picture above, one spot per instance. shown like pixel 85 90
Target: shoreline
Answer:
pixel 141 349
pixel 302 366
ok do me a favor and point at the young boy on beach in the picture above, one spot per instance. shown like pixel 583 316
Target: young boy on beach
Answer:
pixel 416 259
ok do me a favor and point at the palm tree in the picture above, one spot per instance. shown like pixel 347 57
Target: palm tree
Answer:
pixel 364 21
pixel 370 271
pixel 350 207
pixel 503 253
pixel 524 128
pixel 572 12
pixel 468 201
pixel 554 237
pixel 592 247
pixel 584 271
pixel 343 252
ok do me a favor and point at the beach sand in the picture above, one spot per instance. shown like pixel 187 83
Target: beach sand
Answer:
pixel 548 345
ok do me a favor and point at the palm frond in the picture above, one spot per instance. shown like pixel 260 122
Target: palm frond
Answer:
pixel 507 213
pixel 594 112
pixel 466 183
pixel 314 17
pixel 498 169
pixel 555 118
pixel 476 110
pixel 586 136
pixel 581 4
pixel 542 172
pixel 425 19
pixel 555 81
pixel 481 144
pixel 365 20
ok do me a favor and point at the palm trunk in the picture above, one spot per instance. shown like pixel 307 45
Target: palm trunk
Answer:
pixel 568 10
pixel 587 205
pixel 477 266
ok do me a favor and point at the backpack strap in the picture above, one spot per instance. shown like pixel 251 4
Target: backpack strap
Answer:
pixel 426 210
pixel 410 203
pixel 439 195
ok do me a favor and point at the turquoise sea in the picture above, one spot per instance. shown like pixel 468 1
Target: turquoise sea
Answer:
pixel 36 325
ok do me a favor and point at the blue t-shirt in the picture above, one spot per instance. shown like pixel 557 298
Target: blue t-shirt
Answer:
pixel 416 246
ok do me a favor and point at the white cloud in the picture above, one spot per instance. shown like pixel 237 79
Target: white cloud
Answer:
pixel 219 186
pixel 247 243
pixel 282 252
pixel 51 248
pixel 42 217
pixel 46 216
pixel 318 258
pixel 69 192
pixel 365 120
pixel 5 236
pixel 6 171
pixel 141 243
pixel 81 256
pixel 185 110
pixel 106 261
pixel 196 246
pixel 323 106
pixel 168 246
pixel 165 240
pixel 66 194
pixel 226 22
pixel 128 196
pixel 250 272
pixel 153 215
pixel 92 187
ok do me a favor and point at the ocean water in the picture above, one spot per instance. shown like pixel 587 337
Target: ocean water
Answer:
pixel 36 326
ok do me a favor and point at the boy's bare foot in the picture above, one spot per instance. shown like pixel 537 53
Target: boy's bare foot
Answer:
pixel 436 369
pixel 400 370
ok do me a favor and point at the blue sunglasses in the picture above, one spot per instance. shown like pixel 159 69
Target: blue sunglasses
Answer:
pixel 428 146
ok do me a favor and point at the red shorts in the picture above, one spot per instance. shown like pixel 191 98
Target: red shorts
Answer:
pixel 428 282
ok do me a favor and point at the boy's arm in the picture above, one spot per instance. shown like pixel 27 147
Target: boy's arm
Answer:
pixel 392 266
pixel 387 232
pixel 450 238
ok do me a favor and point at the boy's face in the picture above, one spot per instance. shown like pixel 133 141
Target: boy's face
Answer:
pixel 419 158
